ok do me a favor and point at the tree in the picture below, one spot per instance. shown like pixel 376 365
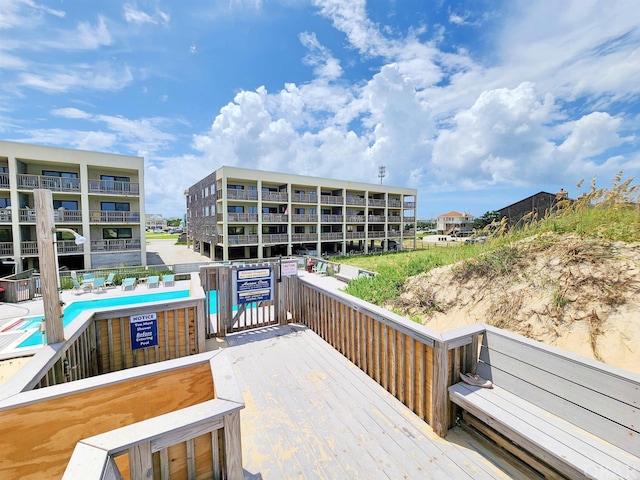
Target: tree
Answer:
pixel 487 219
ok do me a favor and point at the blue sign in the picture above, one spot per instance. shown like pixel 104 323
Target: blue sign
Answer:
pixel 143 330
pixel 253 284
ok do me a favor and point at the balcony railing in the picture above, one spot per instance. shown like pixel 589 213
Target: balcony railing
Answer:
pixel 109 216
pixel 377 202
pixel 243 217
pixel 6 249
pixel 309 218
pixel 242 239
pixel 4 180
pixel 356 218
pixel 114 245
pixel 409 219
pixel 304 198
pixel 351 200
pixel 67 216
pixel 304 237
pixel 376 234
pixel 409 204
pixel 394 233
pixel 331 218
pixel 395 203
pixel 275 238
pixel 275 196
pixel 394 219
pixel 56 184
pixel 275 217
pixel 376 218
pixel 29 248
pixel 331 200
pixel 234 194
pixel 331 236
pixel 113 187
pixel 5 215
pixel 351 235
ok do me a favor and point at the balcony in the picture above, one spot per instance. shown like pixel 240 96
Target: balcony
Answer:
pixel 351 200
pixel 115 245
pixel 409 204
pixel 55 184
pixel 356 218
pixel 241 239
pixel 409 219
pixel 376 234
pixel 331 200
pixel 352 235
pixel 6 249
pixel 234 194
pixel 275 238
pixel 376 218
pixel 331 236
pixel 65 247
pixel 4 181
pixel 377 202
pixel 304 218
pixel 242 217
pixel 112 187
pixel 394 219
pixel 304 237
pixel 110 216
pixel 331 218
pixel 274 218
pixel 5 215
pixel 278 197
pixel 67 216
pixel 395 203
pixel 304 198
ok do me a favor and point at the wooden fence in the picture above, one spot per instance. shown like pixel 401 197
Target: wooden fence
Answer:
pixel 413 363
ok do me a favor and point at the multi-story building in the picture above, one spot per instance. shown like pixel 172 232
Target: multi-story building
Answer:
pixel 98 195
pixel 455 222
pixel 237 213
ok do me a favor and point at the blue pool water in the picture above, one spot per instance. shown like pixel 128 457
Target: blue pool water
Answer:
pixel 75 308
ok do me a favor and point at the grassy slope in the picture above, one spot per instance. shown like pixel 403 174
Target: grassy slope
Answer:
pixel 608 214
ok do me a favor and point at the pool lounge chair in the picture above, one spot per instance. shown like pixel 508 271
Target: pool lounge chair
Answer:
pixel 153 281
pixel 85 286
pixel 88 277
pixel 129 282
pixel 98 283
pixel 167 280
pixel 109 281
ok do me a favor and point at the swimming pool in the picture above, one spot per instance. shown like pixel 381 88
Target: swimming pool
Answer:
pixel 74 309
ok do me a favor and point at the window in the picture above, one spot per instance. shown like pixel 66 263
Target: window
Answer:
pixel 112 206
pixel 4 169
pixel 5 235
pixel 236 230
pixel 298 229
pixel 252 209
pixel 114 178
pixel 115 233
pixel 235 209
pixel 66 204
pixel 6 202
pixel 235 187
pixel 53 173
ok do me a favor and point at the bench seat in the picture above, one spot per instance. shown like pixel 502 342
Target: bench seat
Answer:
pixel 567 448
pixel 347 273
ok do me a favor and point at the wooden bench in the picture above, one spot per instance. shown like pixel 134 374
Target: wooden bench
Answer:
pixel 347 272
pixel 555 409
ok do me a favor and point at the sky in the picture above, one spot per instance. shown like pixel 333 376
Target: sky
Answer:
pixel 475 103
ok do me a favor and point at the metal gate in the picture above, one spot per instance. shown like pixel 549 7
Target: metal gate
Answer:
pixel 227 312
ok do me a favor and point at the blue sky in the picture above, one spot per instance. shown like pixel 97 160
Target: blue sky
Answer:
pixel 475 103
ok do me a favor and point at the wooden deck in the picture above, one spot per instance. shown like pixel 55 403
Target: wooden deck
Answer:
pixel 310 413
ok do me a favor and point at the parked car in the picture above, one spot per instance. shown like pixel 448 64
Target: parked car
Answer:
pixel 158 230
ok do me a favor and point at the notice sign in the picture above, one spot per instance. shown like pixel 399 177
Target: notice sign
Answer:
pixel 288 268
pixel 143 330
pixel 253 284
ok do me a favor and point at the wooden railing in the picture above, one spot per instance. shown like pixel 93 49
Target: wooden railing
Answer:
pixel 412 362
pixel 113 187
pixel 115 245
pixel 109 216
pixel 56 184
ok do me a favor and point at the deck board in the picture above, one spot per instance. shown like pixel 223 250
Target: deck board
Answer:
pixel 311 413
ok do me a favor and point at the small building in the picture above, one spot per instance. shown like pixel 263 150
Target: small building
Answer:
pixel 539 204
pixel 454 222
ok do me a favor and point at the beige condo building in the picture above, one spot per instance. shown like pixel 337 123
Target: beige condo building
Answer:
pixel 98 195
pixel 237 213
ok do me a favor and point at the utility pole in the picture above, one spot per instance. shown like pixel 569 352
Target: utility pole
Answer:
pixel 382 172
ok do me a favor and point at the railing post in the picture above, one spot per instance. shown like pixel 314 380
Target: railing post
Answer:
pixel 140 461
pixel 440 394
pixel 233 446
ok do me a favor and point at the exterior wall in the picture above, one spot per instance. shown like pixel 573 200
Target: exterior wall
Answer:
pixel 539 203
pixel 238 213
pixel 90 184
